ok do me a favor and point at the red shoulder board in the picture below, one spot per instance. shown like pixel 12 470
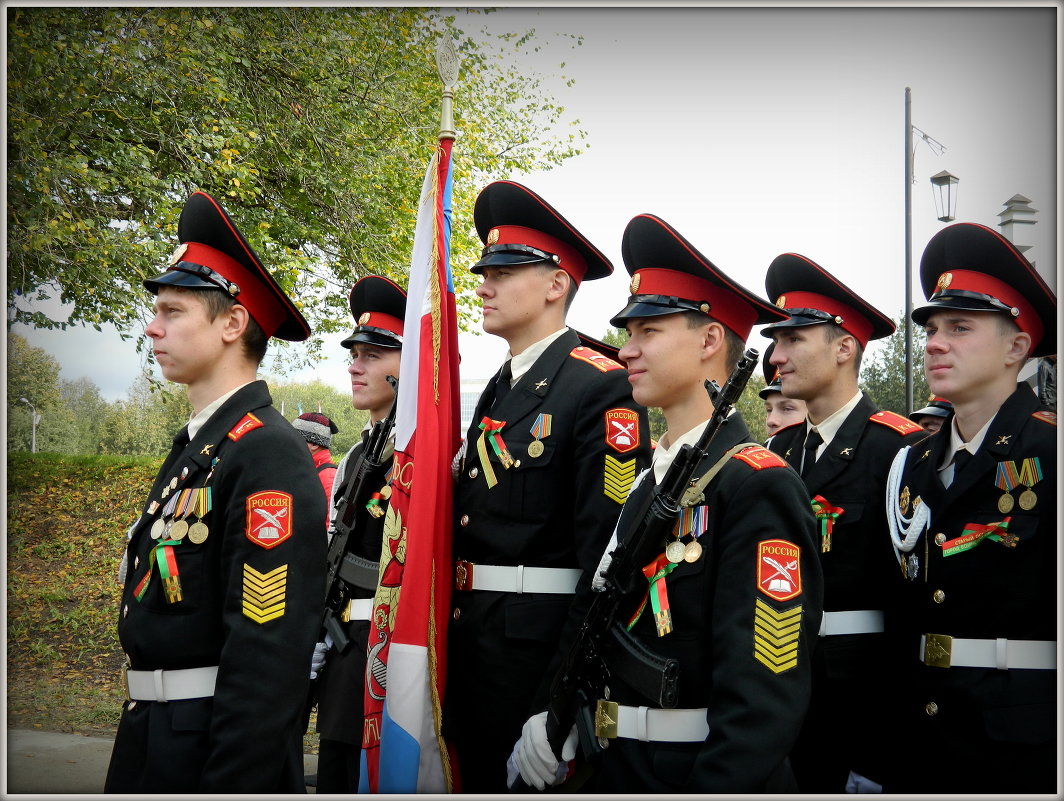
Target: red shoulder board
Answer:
pixel 759 457
pixel 249 422
pixel 594 358
pixel 1046 417
pixel 903 425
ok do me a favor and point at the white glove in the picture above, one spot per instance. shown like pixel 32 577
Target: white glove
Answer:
pixel 534 758
pixel 317 659
pixel 856 783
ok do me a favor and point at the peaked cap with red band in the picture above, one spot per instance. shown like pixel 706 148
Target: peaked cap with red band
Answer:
pixel 936 407
pixel 518 228
pixel 771 373
pixel 811 295
pixel 378 306
pixel 972 267
pixel 213 254
pixel 669 275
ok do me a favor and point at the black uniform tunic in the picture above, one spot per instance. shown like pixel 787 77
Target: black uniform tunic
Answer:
pixel 972 729
pixel 556 510
pixel 251 604
pixel 843 730
pixel 743 630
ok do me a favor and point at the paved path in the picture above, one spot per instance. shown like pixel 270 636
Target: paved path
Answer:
pixel 52 762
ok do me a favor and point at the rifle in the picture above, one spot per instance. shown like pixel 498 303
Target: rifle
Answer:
pixel 346 570
pixel 583 674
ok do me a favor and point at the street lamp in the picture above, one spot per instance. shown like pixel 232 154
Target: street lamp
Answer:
pixel 945 195
pixel 36 420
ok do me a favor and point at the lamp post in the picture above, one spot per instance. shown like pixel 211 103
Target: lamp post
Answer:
pixel 944 183
pixel 945 195
pixel 36 420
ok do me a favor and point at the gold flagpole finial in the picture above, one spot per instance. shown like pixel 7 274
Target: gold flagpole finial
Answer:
pixel 447 67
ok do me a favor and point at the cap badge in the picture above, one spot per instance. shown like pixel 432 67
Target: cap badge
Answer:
pixel 234 290
pixel 363 318
pixel 704 308
pixel 178 253
pixel 838 320
pixel 634 286
pixel 781 302
pixel 944 281
pixel 493 237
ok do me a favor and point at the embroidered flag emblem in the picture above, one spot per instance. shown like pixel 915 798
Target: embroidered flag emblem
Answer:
pixel 622 430
pixel 269 518
pixel 778 569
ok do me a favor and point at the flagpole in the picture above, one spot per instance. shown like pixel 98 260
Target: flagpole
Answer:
pixel 447 69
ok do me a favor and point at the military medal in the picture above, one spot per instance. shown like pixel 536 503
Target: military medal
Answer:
pixel 201 504
pixel 157 528
pixel 1030 474
pixel 540 429
pixel 912 566
pixel 180 527
pixel 1006 478
pixel 693 552
pixel 675 551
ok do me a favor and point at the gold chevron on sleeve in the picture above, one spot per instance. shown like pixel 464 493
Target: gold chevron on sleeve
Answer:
pixel 618 478
pixel 264 593
pixel 776 636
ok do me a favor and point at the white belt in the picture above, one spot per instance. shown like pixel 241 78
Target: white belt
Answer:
pixel 941 650
pixel 170 685
pixel 857 621
pixel 651 725
pixel 359 609
pixel 515 578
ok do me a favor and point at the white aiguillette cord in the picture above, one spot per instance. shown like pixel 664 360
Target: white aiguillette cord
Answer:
pixel 910 527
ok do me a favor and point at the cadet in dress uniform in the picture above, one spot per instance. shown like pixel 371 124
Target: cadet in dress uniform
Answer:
pixel 976 532
pixel 553 448
pixel 378 306
pixel 780 411
pixel 226 563
pixel 736 596
pixel 931 417
pixel 818 353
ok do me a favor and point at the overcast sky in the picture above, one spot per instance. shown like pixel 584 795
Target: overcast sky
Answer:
pixel 759 131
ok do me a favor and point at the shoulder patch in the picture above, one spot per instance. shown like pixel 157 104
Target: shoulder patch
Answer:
pixel 779 572
pixel 622 429
pixel 594 358
pixel 903 425
pixel 1046 417
pixel 248 422
pixel 269 517
pixel 759 457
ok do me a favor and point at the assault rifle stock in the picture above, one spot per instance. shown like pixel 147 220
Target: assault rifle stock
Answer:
pixel 582 675
pixel 343 567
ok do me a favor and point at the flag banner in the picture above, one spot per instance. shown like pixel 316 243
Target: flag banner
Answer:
pixel 402 748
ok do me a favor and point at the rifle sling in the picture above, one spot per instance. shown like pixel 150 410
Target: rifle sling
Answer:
pixel 359 572
pixel 695 493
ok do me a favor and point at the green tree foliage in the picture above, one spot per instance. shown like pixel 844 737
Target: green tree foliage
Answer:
pixel 883 375
pixel 33 374
pixel 290 398
pixel 144 424
pixel 313 125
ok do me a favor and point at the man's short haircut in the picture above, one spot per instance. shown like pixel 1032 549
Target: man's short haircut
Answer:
pixel 216 302
pixel 833 332
pixel 734 348
pixel 573 285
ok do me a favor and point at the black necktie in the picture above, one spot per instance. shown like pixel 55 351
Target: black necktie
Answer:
pixel 960 460
pixel 502 385
pixel 812 441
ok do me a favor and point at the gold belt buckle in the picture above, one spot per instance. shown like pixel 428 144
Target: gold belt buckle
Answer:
pixel 125 680
pixel 606 719
pixel 463 575
pixel 938 650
